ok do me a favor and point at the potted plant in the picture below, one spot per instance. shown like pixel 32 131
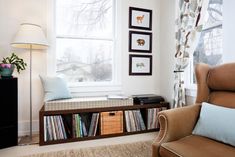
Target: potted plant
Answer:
pixel 10 63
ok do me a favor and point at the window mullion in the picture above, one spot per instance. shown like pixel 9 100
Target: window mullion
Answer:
pixel 82 38
pixel 212 27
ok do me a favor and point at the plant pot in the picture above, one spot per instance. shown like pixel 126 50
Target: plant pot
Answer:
pixel 6 70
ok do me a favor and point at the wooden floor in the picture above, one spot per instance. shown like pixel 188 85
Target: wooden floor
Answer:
pixel 35 148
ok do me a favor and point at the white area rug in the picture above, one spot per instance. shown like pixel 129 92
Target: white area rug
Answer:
pixel 137 149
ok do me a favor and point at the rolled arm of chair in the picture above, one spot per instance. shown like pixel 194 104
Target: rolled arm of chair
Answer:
pixel 175 124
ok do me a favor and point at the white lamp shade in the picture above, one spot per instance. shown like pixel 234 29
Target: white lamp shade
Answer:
pixel 30 35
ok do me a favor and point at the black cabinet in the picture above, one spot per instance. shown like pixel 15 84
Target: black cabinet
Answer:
pixel 8 112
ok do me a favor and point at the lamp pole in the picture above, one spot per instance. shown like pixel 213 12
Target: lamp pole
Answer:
pixel 30 100
pixel 30 36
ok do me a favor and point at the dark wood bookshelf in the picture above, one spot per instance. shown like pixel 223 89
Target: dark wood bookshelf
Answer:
pixel 9 112
pixel 143 108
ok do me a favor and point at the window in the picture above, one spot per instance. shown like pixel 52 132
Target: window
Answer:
pixel 85 39
pixel 209 48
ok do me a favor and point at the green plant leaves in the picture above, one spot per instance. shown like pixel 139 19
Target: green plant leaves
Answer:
pixel 18 62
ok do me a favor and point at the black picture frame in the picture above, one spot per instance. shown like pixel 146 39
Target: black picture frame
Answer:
pixel 140 18
pixel 143 44
pixel 139 69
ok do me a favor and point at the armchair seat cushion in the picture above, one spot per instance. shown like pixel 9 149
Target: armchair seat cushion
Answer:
pixel 196 146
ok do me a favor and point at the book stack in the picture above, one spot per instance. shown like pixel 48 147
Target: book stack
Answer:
pixel 84 124
pixel 94 124
pixel 54 128
pixel 134 121
pixel 61 127
pixel 152 121
pixel 79 128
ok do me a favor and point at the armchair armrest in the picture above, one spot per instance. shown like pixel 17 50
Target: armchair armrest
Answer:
pixel 175 124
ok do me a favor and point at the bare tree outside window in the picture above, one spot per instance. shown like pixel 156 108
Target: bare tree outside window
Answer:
pixel 209 49
pixel 84 40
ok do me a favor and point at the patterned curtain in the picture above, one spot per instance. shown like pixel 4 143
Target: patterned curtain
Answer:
pixel 189 24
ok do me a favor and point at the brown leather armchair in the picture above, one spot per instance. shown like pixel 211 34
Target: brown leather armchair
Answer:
pixel 215 85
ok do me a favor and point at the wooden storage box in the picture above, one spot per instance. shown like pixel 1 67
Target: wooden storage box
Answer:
pixel 111 122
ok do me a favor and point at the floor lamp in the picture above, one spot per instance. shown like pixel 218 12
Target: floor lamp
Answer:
pixel 30 36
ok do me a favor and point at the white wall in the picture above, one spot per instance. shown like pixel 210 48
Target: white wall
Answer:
pixel 15 12
pixel 12 14
pixel 141 84
pixel 228 31
pixel 167 47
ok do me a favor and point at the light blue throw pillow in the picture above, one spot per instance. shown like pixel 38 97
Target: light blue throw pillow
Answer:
pixel 55 88
pixel 217 123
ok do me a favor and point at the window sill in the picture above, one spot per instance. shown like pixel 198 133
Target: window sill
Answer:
pixel 100 90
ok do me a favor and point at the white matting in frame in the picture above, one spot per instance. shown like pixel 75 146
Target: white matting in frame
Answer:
pixel 140 65
pixel 140 42
pixel 140 18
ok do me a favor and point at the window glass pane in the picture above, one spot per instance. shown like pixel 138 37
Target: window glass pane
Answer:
pixel 82 60
pixel 84 18
pixel 84 40
pixel 214 12
pixel 209 48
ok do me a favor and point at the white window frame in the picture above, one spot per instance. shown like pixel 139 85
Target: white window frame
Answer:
pixel 88 89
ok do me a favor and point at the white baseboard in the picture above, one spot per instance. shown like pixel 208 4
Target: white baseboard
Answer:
pixel 24 127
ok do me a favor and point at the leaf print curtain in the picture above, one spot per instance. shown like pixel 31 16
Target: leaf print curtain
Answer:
pixel 189 23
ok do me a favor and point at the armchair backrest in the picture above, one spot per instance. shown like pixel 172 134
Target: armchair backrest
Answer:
pixel 216 85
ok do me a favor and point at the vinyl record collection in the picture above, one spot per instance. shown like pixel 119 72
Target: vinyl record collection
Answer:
pixel 61 127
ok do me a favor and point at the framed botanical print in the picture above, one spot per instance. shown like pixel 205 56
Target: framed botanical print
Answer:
pixel 140 18
pixel 140 42
pixel 140 64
